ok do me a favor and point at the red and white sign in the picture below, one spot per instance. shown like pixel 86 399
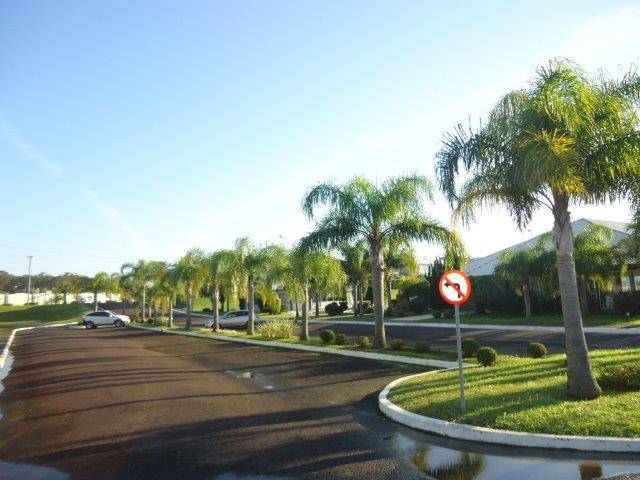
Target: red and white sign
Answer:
pixel 455 287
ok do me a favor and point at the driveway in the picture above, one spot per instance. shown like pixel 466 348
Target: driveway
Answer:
pixel 123 403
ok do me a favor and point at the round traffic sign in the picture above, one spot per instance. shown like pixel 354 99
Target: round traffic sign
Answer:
pixel 455 287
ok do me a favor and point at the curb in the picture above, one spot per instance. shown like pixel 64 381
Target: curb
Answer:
pixel 12 335
pixel 517 328
pixel 461 431
pixel 425 362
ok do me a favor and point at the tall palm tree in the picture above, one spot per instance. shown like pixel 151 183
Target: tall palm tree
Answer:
pixel 219 262
pixel 138 276
pixel 567 138
pixel 192 270
pixel 325 275
pixel 101 282
pixel 250 262
pixel 380 215
pixel 357 266
pixel 398 257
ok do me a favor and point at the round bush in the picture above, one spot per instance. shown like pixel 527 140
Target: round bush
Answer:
pixel 206 310
pixel 620 377
pixel 341 339
pixel 470 346
pixel 486 356
pixel 437 314
pixel 536 350
pixel 423 347
pixel 333 309
pixel 327 336
pixel 363 341
pixel 397 344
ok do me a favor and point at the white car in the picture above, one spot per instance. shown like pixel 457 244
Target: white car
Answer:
pixel 234 318
pixel 104 317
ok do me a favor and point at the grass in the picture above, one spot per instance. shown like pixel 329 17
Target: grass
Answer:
pixel 436 354
pixel 526 395
pixel 33 315
pixel 554 320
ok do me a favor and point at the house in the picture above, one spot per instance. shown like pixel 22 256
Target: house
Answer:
pixel 630 282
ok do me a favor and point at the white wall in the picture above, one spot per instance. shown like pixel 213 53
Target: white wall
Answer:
pixel 49 298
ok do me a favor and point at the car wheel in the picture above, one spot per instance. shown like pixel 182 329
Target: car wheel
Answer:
pixel 89 325
pixel 119 323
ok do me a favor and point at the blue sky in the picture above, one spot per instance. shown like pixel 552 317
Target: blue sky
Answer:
pixel 139 129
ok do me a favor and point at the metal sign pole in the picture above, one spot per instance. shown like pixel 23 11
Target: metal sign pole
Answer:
pixel 459 347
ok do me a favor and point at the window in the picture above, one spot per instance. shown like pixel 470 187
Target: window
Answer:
pixel 625 284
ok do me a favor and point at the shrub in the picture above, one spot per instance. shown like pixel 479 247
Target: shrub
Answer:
pixel 448 312
pixel 341 339
pixel 284 308
pixel 628 302
pixel 536 350
pixel 470 346
pixel 206 310
pixel 7 304
pixel 423 347
pixel 161 322
pixel 368 310
pixel 437 314
pixel 277 329
pixel 620 377
pixel 327 336
pixel 333 309
pixel 397 344
pixel 344 306
pixel 363 341
pixel 418 305
pixel 487 356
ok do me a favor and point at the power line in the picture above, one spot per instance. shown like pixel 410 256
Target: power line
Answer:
pixel 55 252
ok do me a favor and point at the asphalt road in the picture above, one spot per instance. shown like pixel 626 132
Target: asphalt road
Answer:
pixel 122 403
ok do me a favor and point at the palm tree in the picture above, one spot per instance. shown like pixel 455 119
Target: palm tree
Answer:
pixel 398 258
pixel 192 270
pixel 519 267
pixel 596 259
pixel 219 262
pixel 357 266
pixel 101 282
pixel 137 276
pixel 324 274
pixel 567 138
pixel 380 215
pixel 250 262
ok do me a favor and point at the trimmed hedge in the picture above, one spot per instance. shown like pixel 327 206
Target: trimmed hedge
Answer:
pixel 536 350
pixel 487 356
pixel 327 336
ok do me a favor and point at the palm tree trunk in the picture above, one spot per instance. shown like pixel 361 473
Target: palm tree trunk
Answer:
pixel 582 293
pixel 143 302
pixel 580 380
pixel 388 288
pixel 171 312
pixel 189 296
pixel 361 303
pixel 215 293
pixel 124 305
pixel 250 298
pixel 297 312
pixel 317 295
pixel 355 299
pixel 64 298
pixel 304 333
pixel 526 295
pixel 95 301
pixel 377 272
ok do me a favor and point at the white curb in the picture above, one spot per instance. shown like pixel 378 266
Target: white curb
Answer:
pixel 472 433
pixel 427 362
pixel 12 335
pixel 517 328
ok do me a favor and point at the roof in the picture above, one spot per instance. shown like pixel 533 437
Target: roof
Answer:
pixel 478 267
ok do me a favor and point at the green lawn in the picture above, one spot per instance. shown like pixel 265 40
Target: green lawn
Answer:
pixel 33 315
pixel 525 395
pixel 597 320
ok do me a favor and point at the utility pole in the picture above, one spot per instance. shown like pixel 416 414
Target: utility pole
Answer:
pixel 29 284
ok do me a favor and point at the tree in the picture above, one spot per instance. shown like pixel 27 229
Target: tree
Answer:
pixel 324 274
pixel 380 215
pixel 192 270
pixel 250 262
pixel 398 258
pixel 63 287
pixel 596 259
pixel 219 262
pixel 101 282
pixel 519 267
pixel 566 138
pixel 137 276
pixel 357 267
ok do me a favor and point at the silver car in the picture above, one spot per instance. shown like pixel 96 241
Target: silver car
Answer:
pixel 104 317
pixel 234 318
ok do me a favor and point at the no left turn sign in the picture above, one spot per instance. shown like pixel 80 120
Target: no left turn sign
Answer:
pixel 455 287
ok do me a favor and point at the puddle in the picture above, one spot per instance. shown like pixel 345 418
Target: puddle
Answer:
pixel 22 471
pixel 257 377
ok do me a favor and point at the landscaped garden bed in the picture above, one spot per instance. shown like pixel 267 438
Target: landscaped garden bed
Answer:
pixel 528 395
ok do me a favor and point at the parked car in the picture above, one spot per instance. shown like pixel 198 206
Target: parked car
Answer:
pixel 104 317
pixel 234 318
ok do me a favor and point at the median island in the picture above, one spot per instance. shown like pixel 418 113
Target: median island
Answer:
pixel 528 395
